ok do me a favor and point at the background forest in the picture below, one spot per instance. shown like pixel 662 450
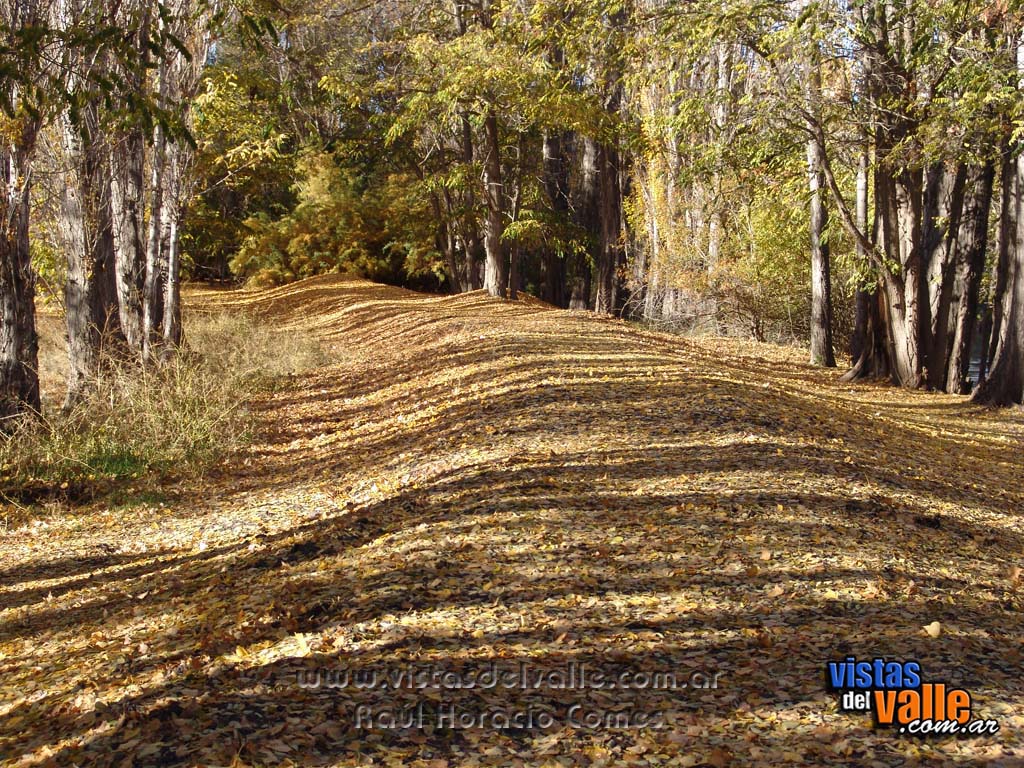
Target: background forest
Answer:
pixel 819 172
pixel 843 175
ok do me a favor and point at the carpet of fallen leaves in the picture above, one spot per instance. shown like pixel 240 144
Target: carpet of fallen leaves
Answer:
pixel 475 483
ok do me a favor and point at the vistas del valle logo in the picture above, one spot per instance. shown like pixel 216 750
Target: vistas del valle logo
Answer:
pixel 896 695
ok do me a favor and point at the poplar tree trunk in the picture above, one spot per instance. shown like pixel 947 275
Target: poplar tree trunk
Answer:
pixel 495 260
pixel 609 215
pixel 516 204
pixel 822 348
pixel 155 278
pixel 473 247
pixel 556 185
pixel 971 245
pixel 943 206
pixel 444 241
pixel 178 157
pixel 721 100
pixel 19 344
pixel 127 189
pixel 1004 384
pixel 1004 252
pixel 905 291
pixel 868 346
pixel 171 324
pixel 895 250
pixel 84 223
pixel 495 266
pixel 585 216
pixel 80 292
pixel 182 76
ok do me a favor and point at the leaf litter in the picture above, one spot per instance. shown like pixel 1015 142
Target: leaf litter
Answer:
pixel 474 483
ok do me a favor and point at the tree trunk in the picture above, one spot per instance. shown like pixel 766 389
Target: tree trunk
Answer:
pixel 585 215
pixel 447 244
pixel 1004 251
pixel 84 223
pixel 19 344
pixel 872 355
pixel 516 200
pixel 171 324
pixel 721 101
pixel 476 255
pixel 609 212
pixel 127 190
pixel 1005 382
pixel 822 348
pixel 864 346
pixel 80 290
pixel 943 206
pixel 971 245
pixel 444 240
pixel 155 275
pixel 609 219
pixel 897 236
pixel 909 323
pixel 896 249
pixel 178 157
pixel 556 185
pixel 473 247
pixel 495 269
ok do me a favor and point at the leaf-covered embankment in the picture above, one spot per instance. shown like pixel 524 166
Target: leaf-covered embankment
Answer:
pixel 475 482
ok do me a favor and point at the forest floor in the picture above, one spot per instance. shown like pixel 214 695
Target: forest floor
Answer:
pixel 474 484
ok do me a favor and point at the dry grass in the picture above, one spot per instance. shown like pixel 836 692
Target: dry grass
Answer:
pixel 53 356
pixel 182 415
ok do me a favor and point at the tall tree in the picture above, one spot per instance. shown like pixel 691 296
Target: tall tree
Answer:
pixel 85 213
pixel 127 175
pixel 1005 382
pixel 23 98
pixel 822 351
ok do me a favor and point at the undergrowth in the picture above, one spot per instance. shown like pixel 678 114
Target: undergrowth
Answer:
pixel 137 422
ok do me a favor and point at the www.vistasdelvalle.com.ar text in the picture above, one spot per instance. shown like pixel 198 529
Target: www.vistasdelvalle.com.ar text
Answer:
pixel 572 675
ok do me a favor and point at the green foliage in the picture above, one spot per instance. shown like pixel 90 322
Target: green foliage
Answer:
pixel 372 225
pixel 764 283
pixel 489 69
pixel 244 168
pixel 51 271
pixel 360 146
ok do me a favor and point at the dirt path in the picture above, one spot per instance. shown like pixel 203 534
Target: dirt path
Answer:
pixel 477 486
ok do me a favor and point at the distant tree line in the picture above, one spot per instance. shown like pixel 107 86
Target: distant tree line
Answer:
pixel 849 174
